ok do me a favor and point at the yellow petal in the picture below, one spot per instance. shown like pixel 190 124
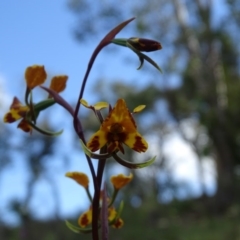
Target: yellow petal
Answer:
pixel 97 106
pixel 97 140
pixel 79 177
pixel 136 142
pixel 121 180
pixel 120 114
pixel 84 103
pixel 35 75
pixel 11 116
pixel 100 105
pixel 139 108
pixel 118 223
pixel 111 214
pixel 85 219
pixel 17 111
pixel 58 83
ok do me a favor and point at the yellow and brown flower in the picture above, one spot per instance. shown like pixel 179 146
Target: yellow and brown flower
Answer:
pixel 117 129
pixel 85 218
pixel 18 111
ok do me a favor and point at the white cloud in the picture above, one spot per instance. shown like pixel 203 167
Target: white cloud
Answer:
pixel 185 165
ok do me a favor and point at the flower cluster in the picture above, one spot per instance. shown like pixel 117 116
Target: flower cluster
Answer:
pixel 85 219
pixel 35 76
pixel 117 131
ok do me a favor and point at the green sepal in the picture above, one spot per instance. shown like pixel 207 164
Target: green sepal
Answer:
pixel 120 209
pixel 44 104
pixel 143 57
pixel 45 132
pixel 131 165
pixel 92 154
pixel 114 195
pixel 120 41
pixel 77 229
pixel 32 114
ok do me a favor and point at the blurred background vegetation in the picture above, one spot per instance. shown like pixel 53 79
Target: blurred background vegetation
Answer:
pixel 197 97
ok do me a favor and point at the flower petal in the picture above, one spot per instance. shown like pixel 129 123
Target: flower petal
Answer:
pixel 84 103
pixel 79 177
pixel 97 106
pixel 120 180
pixel 118 223
pixel 100 105
pixel 35 75
pixel 11 116
pixel 58 83
pixel 120 114
pixel 112 213
pixel 139 108
pixel 97 141
pixel 24 125
pixel 136 142
pixel 17 111
pixel 15 103
pixel 85 219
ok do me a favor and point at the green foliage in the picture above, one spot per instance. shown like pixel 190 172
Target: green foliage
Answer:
pixel 202 49
pixel 176 221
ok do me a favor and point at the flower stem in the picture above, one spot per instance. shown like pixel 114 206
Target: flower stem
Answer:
pixel 78 128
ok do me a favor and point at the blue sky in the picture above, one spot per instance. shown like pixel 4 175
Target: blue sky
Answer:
pixel 41 32
pixel 38 32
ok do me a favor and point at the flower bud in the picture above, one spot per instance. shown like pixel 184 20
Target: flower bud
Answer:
pixel 144 45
